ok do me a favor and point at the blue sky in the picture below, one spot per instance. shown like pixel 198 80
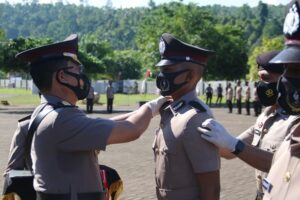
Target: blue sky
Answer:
pixel 134 3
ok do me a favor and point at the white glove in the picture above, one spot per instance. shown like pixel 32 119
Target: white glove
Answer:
pixel 215 133
pixel 156 104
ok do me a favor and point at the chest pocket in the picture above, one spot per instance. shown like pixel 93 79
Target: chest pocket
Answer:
pixel 165 159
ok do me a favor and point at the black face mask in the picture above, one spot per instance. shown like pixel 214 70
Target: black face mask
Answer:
pixel 267 93
pixel 165 82
pixel 289 95
pixel 83 84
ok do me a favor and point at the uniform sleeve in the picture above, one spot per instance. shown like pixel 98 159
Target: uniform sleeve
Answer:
pixel 16 158
pixel 247 135
pixel 77 132
pixel 204 156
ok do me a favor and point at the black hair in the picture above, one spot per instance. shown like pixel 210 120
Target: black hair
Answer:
pixel 42 72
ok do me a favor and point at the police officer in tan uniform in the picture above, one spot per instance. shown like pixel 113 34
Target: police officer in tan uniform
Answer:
pixel 16 158
pixel 284 177
pixel 186 166
pixel 90 100
pixel 63 151
pixel 16 161
pixel 238 93
pixel 257 144
pixel 247 97
pixel 229 96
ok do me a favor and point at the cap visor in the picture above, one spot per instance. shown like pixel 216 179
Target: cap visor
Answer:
pixel 290 54
pixel 165 62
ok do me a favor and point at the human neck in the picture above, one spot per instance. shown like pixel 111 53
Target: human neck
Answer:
pixel 179 94
pixel 65 96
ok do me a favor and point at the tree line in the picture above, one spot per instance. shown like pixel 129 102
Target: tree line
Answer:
pixel 123 43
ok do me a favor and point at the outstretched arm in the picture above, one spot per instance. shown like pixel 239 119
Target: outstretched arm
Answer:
pixel 122 117
pixel 135 123
pixel 215 133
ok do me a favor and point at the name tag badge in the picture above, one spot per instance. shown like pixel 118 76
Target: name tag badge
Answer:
pixel 266 184
pixel 256 138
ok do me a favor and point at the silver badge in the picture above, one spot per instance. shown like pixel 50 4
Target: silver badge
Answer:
pixel 162 47
pixel 291 23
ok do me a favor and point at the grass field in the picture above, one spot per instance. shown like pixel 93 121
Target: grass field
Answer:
pixel 17 96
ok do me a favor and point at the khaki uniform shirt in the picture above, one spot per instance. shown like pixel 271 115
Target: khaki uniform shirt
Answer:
pixel 238 92
pixel 255 96
pixel 247 93
pixel 109 92
pixel 91 93
pixel 179 151
pixel 229 94
pixel 16 158
pixel 63 151
pixel 283 180
pixel 268 132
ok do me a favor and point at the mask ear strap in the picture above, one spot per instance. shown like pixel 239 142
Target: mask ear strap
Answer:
pixel 74 75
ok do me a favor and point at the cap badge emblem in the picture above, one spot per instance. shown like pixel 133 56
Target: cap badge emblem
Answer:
pixel 162 47
pixel 291 23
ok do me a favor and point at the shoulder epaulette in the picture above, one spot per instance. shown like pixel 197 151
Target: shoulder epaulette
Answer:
pixel 24 118
pixel 198 106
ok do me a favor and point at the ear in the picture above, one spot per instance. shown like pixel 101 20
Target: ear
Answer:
pixel 61 77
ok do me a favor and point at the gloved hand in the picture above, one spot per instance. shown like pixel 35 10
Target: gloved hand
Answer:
pixel 156 104
pixel 215 133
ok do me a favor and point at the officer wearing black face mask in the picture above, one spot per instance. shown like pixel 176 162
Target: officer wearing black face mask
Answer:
pixel 64 145
pixel 282 128
pixel 192 171
pixel 269 130
pixel 269 74
pixel 283 180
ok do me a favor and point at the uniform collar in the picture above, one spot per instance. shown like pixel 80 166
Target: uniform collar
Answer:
pixel 186 98
pixel 181 102
pixel 53 100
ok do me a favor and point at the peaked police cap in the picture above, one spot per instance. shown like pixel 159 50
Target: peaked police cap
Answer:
pixel 173 51
pixel 67 48
pixel 263 59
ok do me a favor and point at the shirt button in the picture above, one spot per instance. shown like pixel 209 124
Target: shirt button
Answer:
pixel 265 130
pixel 287 176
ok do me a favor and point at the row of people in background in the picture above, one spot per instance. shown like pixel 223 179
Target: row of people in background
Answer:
pixel 234 95
pixel 209 94
pixel 109 97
